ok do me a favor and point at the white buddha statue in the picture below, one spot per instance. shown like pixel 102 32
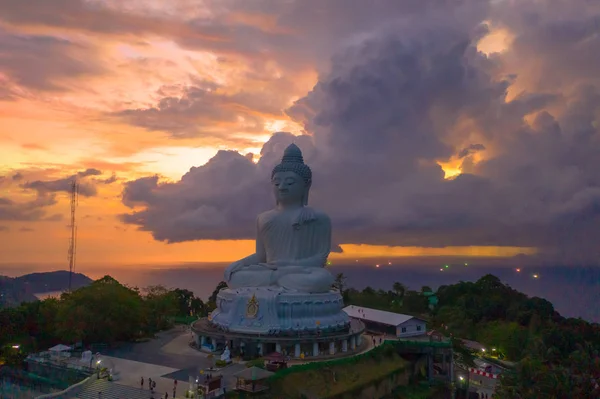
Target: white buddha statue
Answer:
pixel 293 241
pixel 226 355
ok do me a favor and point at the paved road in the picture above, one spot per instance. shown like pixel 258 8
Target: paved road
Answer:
pixel 169 348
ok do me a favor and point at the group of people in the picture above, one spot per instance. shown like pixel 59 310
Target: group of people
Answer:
pixel 152 387
pixel 378 341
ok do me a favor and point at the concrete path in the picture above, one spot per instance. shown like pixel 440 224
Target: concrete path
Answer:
pixel 169 348
pixel 102 389
pixel 130 373
pixel 165 359
pixel 169 357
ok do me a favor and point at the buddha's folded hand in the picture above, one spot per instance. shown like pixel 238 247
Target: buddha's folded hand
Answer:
pixel 279 263
pixel 270 265
pixel 232 268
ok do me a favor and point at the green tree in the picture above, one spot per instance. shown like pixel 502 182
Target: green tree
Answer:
pixel 340 282
pixel 160 305
pixel 104 311
pixel 399 290
pixel 212 300
pixel 187 303
pixel 415 303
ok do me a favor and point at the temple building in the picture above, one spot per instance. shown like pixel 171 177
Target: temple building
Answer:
pixel 390 323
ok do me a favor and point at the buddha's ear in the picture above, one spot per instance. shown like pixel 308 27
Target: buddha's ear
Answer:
pixel 306 191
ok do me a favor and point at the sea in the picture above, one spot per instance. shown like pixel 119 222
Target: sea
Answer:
pixel 574 291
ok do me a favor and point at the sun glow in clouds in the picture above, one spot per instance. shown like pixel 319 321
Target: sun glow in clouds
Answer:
pixel 451 169
pixel 173 162
pixel 497 40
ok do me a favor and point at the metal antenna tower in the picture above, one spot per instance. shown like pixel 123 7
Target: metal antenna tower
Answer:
pixel 73 238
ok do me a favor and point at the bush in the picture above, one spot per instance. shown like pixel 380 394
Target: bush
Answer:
pixel 220 363
pixel 260 362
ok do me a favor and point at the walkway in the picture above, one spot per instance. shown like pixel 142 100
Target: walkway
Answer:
pixel 111 390
pixel 168 348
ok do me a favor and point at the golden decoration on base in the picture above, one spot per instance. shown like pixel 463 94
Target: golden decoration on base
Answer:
pixel 252 307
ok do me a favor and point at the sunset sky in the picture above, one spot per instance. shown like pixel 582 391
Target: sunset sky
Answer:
pixel 433 127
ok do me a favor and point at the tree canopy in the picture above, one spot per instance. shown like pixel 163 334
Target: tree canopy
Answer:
pixel 105 311
pixel 556 357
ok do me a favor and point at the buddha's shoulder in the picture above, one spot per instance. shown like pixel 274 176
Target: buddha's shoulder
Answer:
pixel 318 214
pixel 267 214
pixel 308 213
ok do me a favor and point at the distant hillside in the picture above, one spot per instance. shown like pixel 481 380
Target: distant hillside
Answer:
pixel 13 291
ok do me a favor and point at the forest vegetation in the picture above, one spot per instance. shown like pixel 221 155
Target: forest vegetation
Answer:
pixel 556 357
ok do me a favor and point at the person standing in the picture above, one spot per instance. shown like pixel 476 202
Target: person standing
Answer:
pixel 142 383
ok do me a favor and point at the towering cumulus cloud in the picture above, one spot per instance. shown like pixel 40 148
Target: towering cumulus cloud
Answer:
pixel 522 124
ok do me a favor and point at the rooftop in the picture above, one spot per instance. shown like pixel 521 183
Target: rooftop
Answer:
pixel 254 374
pixel 377 316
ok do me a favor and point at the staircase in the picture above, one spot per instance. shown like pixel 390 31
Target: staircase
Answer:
pixel 112 390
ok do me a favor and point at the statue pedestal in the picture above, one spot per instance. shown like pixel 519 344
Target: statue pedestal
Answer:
pixel 274 311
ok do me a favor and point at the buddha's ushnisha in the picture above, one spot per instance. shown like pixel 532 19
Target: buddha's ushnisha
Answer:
pixel 293 240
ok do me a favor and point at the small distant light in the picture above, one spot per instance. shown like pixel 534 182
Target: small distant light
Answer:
pixel 446 266
pixel 535 276
pixel 518 270
pixel 389 263
pixel 494 349
pixel 329 262
pixel 483 349
pixel 357 260
pixel 441 269
pixel 466 264
pixel 376 265
pixel 16 346
pixel 461 378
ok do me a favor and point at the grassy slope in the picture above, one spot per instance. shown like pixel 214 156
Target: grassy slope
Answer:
pixel 321 384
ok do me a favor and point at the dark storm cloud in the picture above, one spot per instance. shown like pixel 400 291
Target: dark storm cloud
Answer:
pixel 89 172
pixel 6 92
pixel 471 149
pixel 387 112
pixel 196 112
pixel 44 62
pixel 26 211
pixel 99 19
pixel 36 209
pixel 86 188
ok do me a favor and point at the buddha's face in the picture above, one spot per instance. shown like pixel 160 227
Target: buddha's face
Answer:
pixel 289 188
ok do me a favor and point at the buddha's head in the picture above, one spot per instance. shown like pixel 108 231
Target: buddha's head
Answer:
pixel 291 179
